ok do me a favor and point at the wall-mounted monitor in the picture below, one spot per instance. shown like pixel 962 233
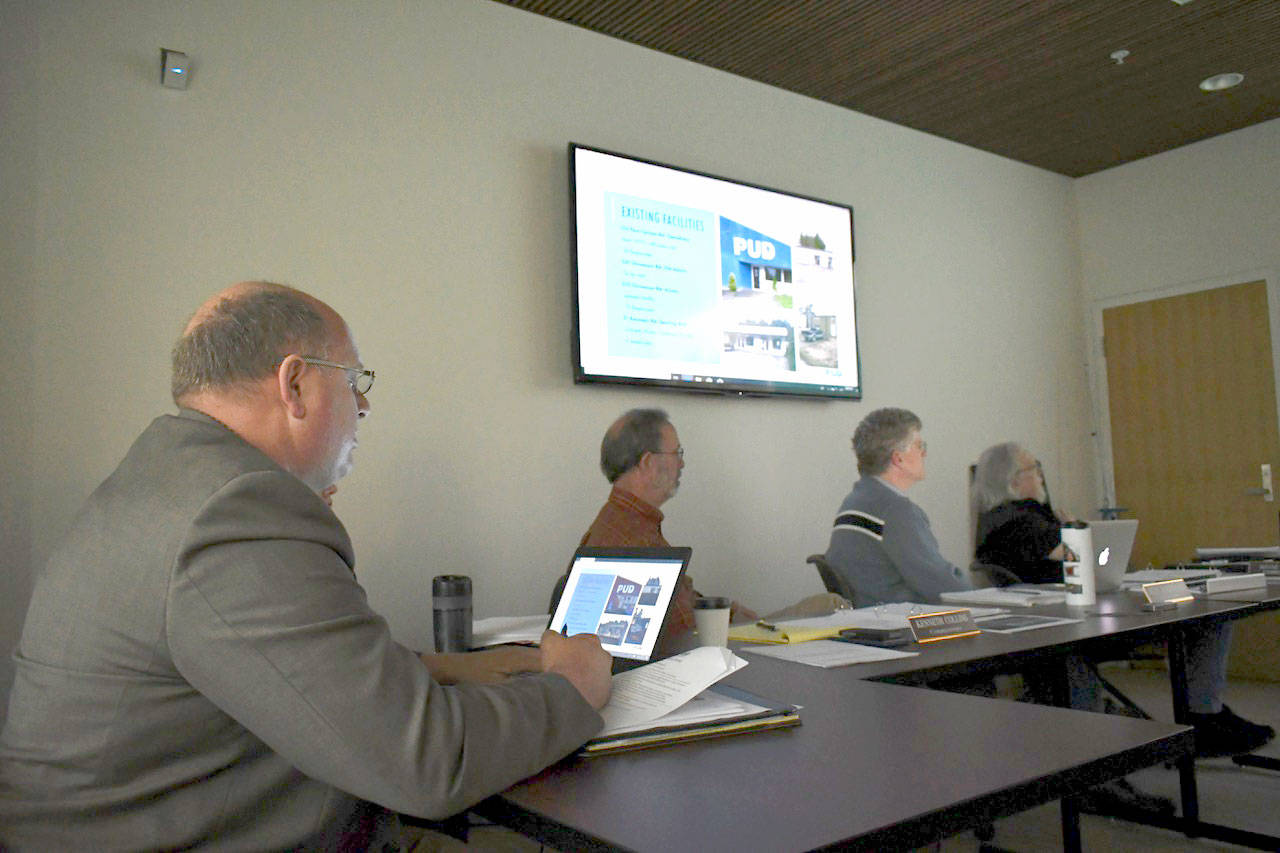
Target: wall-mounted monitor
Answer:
pixel 685 280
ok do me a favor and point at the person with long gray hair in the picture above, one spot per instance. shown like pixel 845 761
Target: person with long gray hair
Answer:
pixel 1017 528
pixel 1020 531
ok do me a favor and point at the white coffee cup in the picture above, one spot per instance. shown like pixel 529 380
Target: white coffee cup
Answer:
pixel 711 619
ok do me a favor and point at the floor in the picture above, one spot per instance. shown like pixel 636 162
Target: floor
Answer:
pixel 1239 797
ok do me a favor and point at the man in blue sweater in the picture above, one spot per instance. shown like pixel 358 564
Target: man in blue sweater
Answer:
pixel 882 543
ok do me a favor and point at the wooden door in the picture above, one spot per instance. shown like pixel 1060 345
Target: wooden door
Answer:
pixel 1192 401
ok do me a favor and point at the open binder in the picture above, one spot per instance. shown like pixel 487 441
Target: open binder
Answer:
pixel 718 711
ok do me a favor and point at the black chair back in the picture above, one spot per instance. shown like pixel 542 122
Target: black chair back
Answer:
pixel 831 579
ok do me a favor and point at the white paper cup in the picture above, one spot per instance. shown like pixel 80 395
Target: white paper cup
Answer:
pixel 711 619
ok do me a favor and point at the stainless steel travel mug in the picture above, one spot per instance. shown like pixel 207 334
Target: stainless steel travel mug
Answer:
pixel 451 612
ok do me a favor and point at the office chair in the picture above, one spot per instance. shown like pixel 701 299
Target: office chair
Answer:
pixel 831 579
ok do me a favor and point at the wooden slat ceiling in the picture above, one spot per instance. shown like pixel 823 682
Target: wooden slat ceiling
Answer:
pixel 1031 81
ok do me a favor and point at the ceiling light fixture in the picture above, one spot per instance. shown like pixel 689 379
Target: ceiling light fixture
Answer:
pixel 1218 82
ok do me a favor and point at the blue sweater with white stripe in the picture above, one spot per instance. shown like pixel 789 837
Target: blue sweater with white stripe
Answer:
pixel 884 547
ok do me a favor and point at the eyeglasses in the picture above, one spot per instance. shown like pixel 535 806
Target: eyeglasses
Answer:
pixel 361 380
pixel 677 453
pixel 924 446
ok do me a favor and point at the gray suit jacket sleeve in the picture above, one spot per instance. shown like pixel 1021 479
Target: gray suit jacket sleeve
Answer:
pixel 265 618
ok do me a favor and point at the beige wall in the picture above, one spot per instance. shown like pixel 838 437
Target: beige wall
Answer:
pixel 18 395
pixel 1201 213
pixel 407 162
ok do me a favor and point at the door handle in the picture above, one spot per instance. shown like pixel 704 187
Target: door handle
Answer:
pixel 1264 491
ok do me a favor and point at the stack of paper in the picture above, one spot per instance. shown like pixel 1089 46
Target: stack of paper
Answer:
pixel 1138 578
pixel 674 700
pixel 1005 597
pixel 823 627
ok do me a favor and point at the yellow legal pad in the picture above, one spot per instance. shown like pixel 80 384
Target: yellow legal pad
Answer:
pixel 783 633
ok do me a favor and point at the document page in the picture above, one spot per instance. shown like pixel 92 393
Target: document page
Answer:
pixel 507 629
pixel 707 707
pixel 648 692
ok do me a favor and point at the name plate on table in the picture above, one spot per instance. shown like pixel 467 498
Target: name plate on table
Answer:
pixel 1231 583
pixel 943 625
pixel 1163 595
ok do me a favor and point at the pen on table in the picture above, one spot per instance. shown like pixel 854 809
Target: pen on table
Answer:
pixel 768 626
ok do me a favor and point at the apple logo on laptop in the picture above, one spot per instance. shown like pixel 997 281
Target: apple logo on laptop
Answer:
pixel 1104 555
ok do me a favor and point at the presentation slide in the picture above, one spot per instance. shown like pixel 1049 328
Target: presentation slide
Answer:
pixel 622 601
pixel 659 257
pixel 687 278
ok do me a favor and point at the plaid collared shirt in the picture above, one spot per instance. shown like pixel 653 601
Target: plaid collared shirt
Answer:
pixel 627 521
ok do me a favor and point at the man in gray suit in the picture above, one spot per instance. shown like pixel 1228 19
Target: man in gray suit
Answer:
pixel 199 666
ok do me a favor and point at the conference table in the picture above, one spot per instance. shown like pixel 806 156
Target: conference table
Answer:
pixel 1117 621
pixel 879 763
pixel 901 767
pixel 874 766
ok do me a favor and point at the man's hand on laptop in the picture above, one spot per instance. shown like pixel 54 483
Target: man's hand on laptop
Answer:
pixel 483 667
pixel 581 660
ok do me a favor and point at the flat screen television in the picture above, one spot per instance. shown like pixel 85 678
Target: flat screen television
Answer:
pixel 685 280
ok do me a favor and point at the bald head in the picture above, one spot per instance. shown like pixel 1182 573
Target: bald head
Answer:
pixel 277 367
pixel 239 335
pixel 236 292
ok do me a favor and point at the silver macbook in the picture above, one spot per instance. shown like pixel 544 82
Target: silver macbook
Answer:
pixel 1112 545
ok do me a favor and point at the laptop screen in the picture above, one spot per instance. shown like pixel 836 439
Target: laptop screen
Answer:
pixel 621 595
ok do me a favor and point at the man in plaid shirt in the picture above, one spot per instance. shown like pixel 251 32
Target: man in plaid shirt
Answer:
pixel 642 457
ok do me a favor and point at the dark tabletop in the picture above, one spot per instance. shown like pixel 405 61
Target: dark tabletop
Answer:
pixel 872 764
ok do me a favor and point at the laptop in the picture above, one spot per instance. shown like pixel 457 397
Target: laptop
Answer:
pixel 621 595
pixel 1112 545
